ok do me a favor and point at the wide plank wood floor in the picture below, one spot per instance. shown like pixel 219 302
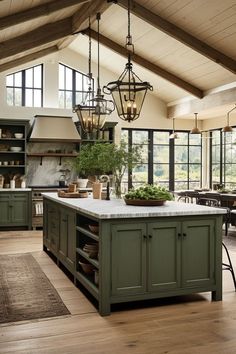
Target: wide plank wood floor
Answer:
pixel 183 325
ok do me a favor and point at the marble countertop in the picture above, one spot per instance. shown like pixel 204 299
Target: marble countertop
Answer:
pixel 117 209
pixel 15 189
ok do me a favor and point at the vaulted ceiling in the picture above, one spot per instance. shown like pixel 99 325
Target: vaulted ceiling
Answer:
pixel 184 48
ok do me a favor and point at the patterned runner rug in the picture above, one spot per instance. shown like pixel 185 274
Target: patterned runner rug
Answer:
pixel 25 291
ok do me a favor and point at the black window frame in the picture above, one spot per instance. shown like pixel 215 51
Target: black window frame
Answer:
pixel 73 91
pixel 23 86
pixel 171 161
pixel 222 163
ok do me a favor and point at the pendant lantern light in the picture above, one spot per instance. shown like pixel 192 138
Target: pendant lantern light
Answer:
pixel 173 135
pixel 85 110
pixel 128 91
pixel 228 128
pixel 92 113
pixel 195 129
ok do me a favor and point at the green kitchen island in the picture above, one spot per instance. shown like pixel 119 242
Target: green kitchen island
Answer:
pixel 142 252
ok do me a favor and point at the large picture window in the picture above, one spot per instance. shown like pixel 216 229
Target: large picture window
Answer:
pixel 73 86
pixel 223 158
pixel 187 161
pixel 173 163
pixel 25 87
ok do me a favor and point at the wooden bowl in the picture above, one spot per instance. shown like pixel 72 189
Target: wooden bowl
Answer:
pixel 144 202
pixel 94 228
pixel 87 267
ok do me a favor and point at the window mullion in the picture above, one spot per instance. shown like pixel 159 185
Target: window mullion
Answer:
pixel 23 88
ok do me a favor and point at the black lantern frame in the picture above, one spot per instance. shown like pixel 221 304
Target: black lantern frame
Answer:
pixel 128 91
pixel 93 111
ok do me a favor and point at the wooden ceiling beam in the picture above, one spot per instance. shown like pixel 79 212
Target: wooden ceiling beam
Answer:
pixel 27 58
pixel 40 36
pixel 80 18
pixel 37 11
pixel 147 65
pixel 181 35
pixel 212 100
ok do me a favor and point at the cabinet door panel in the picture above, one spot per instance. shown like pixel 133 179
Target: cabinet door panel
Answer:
pixel 5 210
pixel 71 253
pixel 128 259
pixel 53 226
pixel 19 209
pixel 164 256
pixel 63 235
pixel 198 253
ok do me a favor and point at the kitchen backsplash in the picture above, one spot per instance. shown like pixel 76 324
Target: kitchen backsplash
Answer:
pixel 49 172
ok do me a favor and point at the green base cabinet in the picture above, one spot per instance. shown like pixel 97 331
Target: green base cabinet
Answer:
pixel 59 232
pixel 128 259
pixel 138 258
pixel 15 209
pixel 162 256
pixel 67 234
pixel 51 226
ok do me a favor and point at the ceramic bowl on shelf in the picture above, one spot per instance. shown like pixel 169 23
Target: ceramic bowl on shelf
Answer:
pixel 15 148
pixel 94 228
pixel 18 135
pixel 87 267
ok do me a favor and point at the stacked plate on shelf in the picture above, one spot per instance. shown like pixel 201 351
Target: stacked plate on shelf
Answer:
pixel 91 249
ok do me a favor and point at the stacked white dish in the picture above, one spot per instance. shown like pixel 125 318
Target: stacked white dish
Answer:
pixel 18 135
pixel 15 148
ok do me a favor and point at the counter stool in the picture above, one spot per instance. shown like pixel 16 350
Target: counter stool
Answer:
pixel 229 266
pixel 226 219
pixel 233 217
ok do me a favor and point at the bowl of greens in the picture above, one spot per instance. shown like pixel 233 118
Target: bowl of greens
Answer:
pixel 148 195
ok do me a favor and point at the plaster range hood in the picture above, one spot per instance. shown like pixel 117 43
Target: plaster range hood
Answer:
pixel 53 129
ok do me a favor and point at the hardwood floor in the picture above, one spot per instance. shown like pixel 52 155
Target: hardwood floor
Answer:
pixel 186 325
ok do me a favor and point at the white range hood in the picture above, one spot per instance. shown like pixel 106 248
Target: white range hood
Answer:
pixel 54 128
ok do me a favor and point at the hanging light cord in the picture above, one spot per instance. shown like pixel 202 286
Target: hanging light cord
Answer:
pixel 196 119
pixel 129 37
pixel 90 45
pixel 98 79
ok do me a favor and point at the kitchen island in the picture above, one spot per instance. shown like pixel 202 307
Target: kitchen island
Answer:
pixel 138 252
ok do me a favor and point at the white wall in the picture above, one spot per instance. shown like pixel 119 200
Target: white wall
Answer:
pixel 153 115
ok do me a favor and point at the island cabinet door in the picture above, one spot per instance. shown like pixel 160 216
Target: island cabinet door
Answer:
pixel 128 250
pixel 198 255
pixel 67 238
pixel 53 227
pixel 45 223
pixel 164 256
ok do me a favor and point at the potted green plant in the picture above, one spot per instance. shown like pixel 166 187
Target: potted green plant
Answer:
pixel 106 158
pixel 117 159
pixel 89 161
pixel 148 194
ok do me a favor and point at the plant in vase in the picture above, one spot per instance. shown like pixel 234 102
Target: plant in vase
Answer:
pixel 106 158
pixel 89 163
pixel 117 159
